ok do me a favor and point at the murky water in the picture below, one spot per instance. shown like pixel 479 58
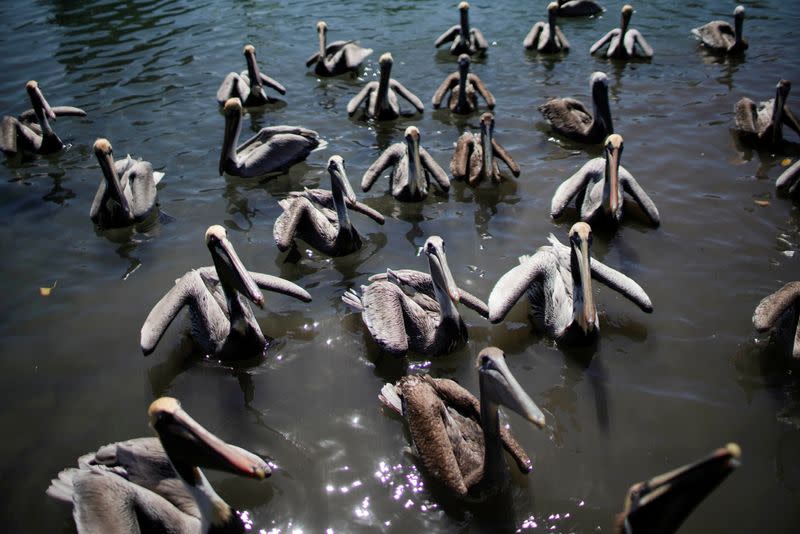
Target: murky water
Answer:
pixel 657 391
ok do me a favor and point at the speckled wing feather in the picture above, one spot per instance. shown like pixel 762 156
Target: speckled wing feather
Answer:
pixel 531 40
pixel 504 156
pixel 447 84
pixel 481 88
pixel 717 34
pixel 324 198
pixel 464 147
pixel 383 314
pixel 567 115
pixel 513 284
pixel 447 36
pixel 771 307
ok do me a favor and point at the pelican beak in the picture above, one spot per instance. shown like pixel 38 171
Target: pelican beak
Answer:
pixel 661 504
pixel 386 61
pixel 105 157
pixel 38 100
pixel 338 175
pixel 580 241
pixel 613 150
pixel 782 93
pixel 252 66
pixel 190 445
pixel 440 270
pixel 233 119
pixel 230 269
pixel 322 29
pixel 504 387
pixel 487 133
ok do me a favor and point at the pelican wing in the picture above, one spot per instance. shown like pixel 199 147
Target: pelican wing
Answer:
pixel 638 194
pixel 771 307
pixel 621 284
pixel 232 87
pixel 313 59
pixel 446 85
pixel 746 116
pixel 790 120
pixel 271 82
pixel 573 185
pixel 59 111
pixel 512 285
pixel 385 316
pixel 716 34
pixel 423 283
pixel 481 88
pixel 279 285
pixel 408 95
pixel 480 41
pixel 354 55
pixel 567 115
pixel 447 36
pixel 324 198
pixel 165 311
pixel 13 131
pixel 357 100
pixel 532 38
pixel 633 38
pixel 464 147
pixel 563 40
pixel 265 134
pixel 503 154
pixel 436 171
pixel 603 40
pixel 788 178
pixel 389 158
pixel 141 181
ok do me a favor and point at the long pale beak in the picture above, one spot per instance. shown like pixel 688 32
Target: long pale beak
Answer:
pixel 321 36
pixel 510 394
pixel 487 132
pixel 661 504
pixel 42 101
pixel 188 445
pixel 106 161
pixel 777 123
pixel 339 176
pixel 587 312
pixel 232 120
pixel 440 272
pixel 231 271
pixel 252 69
pixel 612 175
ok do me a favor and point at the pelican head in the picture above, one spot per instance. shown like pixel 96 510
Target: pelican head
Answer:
pixel 339 177
pixel 552 10
pixel 661 504
pixel 416 178
pixel 249 49
pixel 232 274
pixel 583 310
pixel 738 12
pixel 322 27
pixel 105 157
pixel 412 136
pixel 613 154
pixel 386 59
pixel 440 270
pixel 232 110
pixel 463 63
pixel 322 31
pixel 385 62
pixel 463 6
pixel 38 101
pixel 500 386
pixel 189 445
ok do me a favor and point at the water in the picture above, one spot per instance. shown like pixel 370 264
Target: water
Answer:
pixel 659 390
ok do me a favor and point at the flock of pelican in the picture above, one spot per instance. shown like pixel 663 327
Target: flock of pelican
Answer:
pixel 157 483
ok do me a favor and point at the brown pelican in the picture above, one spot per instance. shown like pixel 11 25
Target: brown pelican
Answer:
pixel 127 193
pixel 411 311
pixel 599 186
pixel 558 280
pixel 381 98
pixel 249 85
pixel 720 36
pixel 578 8
pixel 781 311
pixel 463 86
pixel 474 157
pixel 661 504
pixel 223 323
pixel 466 40
pixel 546 37
pixel 762 124
pixel 622 41
pixel 272 149
pixel 308 216
pixel 570 118
pixel 458 438
pixel 337 57
pixel 31 131
pixel 155 484
pixel 413 168
pixel 788 180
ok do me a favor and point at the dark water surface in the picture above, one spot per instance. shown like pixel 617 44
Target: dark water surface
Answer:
pixel 659 390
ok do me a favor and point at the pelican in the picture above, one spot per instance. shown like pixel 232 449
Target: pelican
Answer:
pixel 413 168
pixel 788 180
pixel 411 311
pixel 578 8
pixel 337 57
pixel 458 438
pixel 780 311
pixel 155 484
pixel 272 149
pixel 307 215
pixel 474 157
pixel 31 131
pixel 546 37
pixel 622 42
pixel 570 118
pixel 127 193
pixel 558 280
pixel 223 323
pixel 599 186
pixel 660 505
pixel 380 97
pixel 719 36
pixel 465 40
pixel 762 124
pixel 248 86
pixel 463 86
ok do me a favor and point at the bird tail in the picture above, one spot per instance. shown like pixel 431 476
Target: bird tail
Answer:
pixel 353 299
pixel 389 398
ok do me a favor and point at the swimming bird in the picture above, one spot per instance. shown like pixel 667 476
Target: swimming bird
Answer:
pixel 465 40
pixel 308 215
pixel 474 156
pixel 762 124
pixel 412 172
pixel 458 438
pixel 788 180
pixel 411 311
pixel 578 8
pixel 546 37
pixel 623 43
pixel 558 281
pixel 463 86
pixel 381 96
pixel 598 188
pixel 155 484
pixel 223 324
pixel 248 86
pixel 572 119
pixel 660 505
pixel 338 57
pixel 780 311
pixel 31 131
pixel 127 193
pixel 272 149
pixel 719 36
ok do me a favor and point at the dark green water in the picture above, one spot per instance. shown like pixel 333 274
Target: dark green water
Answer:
pixel 658 391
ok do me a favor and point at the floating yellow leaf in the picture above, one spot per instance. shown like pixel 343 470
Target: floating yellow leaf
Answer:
pixel 45 291
pixel 762 202
pixel 785 162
